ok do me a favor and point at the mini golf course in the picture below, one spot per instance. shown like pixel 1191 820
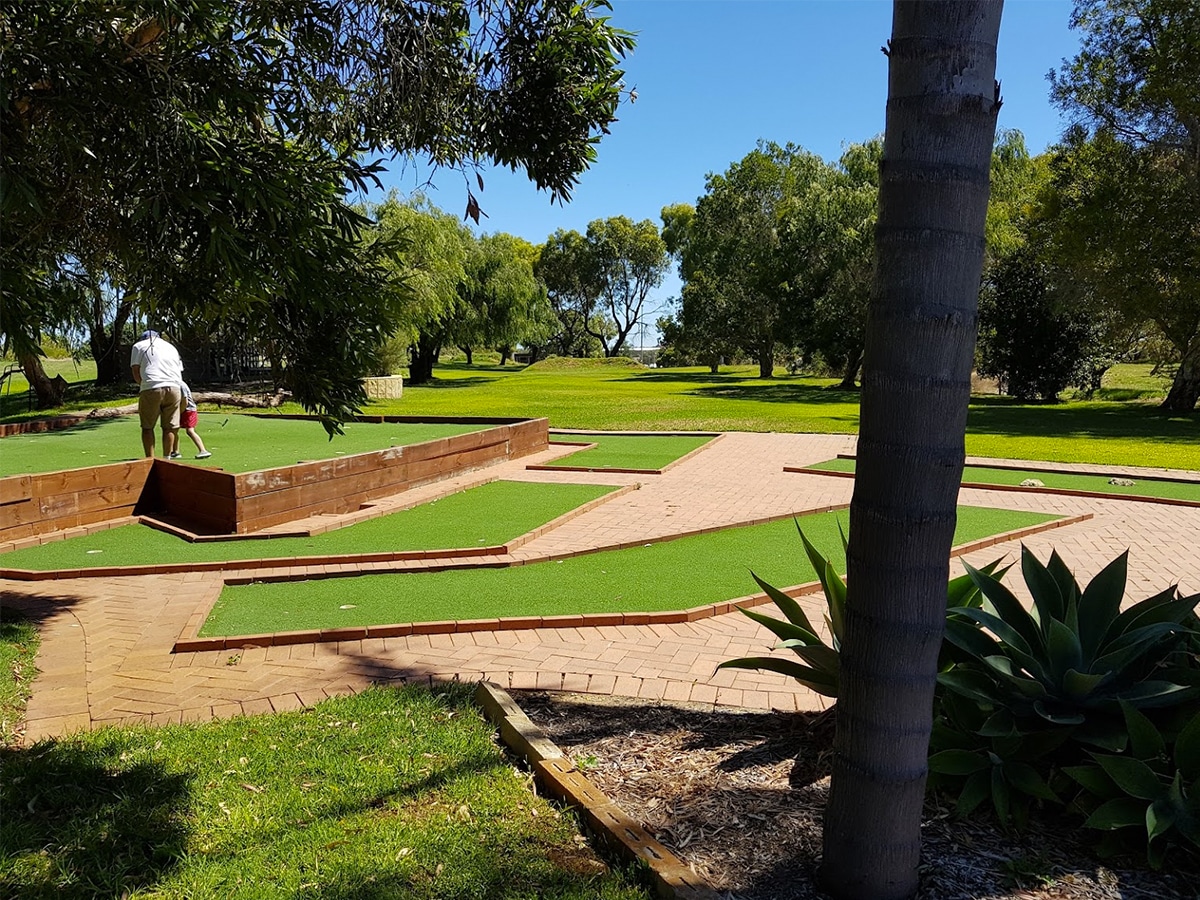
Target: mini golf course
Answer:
pixel 669 575
pixel 627 453
pixel 485 516
pixel 238 442
pixel 1186 491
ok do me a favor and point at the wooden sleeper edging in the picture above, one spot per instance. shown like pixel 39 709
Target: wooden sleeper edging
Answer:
pixel 560 777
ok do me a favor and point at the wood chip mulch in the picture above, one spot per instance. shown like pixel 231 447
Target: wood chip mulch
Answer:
pixel 739 796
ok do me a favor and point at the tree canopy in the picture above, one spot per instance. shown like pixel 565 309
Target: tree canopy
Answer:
pixel 199 154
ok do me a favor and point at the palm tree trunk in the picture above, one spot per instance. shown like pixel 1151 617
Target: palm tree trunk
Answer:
pixel 941 121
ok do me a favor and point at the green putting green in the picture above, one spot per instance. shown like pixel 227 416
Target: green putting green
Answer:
pixel 623 451
pixel 485 516
pixel 671 575
pixel 1170 490
pixel 238 443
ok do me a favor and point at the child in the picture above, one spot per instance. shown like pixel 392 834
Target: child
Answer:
pixel 188 419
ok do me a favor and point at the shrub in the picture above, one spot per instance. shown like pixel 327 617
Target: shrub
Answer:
pixel 820 664
pixel 1031 693
pixel 1154 789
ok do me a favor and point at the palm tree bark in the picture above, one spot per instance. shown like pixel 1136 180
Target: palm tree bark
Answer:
pixel 941 121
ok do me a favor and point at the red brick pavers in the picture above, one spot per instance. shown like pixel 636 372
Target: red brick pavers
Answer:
pixel 105 654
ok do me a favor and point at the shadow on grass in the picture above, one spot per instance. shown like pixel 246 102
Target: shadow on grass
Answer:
pixel 474 381
pixel 74 828
pixel 781 392
pixel 1003 416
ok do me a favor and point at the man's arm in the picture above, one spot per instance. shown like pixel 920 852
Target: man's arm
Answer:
pixel 137 374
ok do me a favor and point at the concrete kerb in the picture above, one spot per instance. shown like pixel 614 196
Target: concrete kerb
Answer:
pixel 562 779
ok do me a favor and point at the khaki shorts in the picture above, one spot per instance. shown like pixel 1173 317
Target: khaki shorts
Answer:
pixel 159 405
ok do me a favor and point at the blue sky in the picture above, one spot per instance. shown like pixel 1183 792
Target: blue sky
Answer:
pixel 714 76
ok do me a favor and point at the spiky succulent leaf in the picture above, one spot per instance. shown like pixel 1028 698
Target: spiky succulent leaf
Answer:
pixel 1145 741
pixel 821 682
pixel 1026 779
pixel 1187 749
pixel 1062 649
pixel 958 762
pixel 1100 604
pixel 787 605
pixel 1120 812
pixel 785 631
pixel 1008 608
pixel 1048 601
pixel 1132 776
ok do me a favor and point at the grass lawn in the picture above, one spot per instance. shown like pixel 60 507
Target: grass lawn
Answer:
pixel 1175 490
pixel 614 397
pixel 671 575
pixel 18 649
pixel 1121 426
pixel 391 793
pixel 485 516
pixel 238 443
pixel 618 451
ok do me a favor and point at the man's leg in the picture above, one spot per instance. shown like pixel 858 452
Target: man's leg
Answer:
pixel 170 419
pixel 170 441
pixel 149 405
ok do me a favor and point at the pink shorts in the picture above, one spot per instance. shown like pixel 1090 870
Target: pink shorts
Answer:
pixel 188 418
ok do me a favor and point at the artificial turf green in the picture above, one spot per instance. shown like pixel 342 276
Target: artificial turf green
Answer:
pixel 238 443
pixel 622 451
pixel 1172 490
pixel 671 575
pixel 485 516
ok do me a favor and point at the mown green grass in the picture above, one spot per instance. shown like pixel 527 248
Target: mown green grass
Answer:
pixel 1175 490
pixel 585 394
pixel 485 516
pixel 677 574
pixel 617 451
pixel 394 793
pixel 238 443
pixel 635 399
pixel 18 650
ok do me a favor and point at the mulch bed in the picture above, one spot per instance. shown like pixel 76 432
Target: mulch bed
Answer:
pixel 739 797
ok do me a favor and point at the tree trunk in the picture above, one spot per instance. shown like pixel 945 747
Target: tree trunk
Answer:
pixel 1185 389
pixel 112 361
pixel 850 375
pixel 423 355
pixel 470 353
pixel 505 355
pixel 941 120
pixel 766 359
pixel 48 391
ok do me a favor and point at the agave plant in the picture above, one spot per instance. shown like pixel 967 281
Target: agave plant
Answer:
pixel 1075 654
pixel 820 664
pixel 1155 788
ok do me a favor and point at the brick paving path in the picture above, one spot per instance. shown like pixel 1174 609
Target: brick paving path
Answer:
pixel 105 651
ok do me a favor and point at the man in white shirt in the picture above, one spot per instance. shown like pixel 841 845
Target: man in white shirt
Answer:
pixel 159 370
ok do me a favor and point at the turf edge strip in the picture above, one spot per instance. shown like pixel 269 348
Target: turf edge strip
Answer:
pixel 1063 492
pixel 189 643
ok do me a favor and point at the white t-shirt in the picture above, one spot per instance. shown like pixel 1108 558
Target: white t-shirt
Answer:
pixel 160 363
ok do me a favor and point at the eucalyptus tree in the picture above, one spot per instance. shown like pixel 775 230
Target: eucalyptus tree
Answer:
pixel 503 302
pixel 427 256
pixel 568 269
pixel 941 119
pixel 198 153
pixel 734 247
pixel 1127 179
pixel 630 259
